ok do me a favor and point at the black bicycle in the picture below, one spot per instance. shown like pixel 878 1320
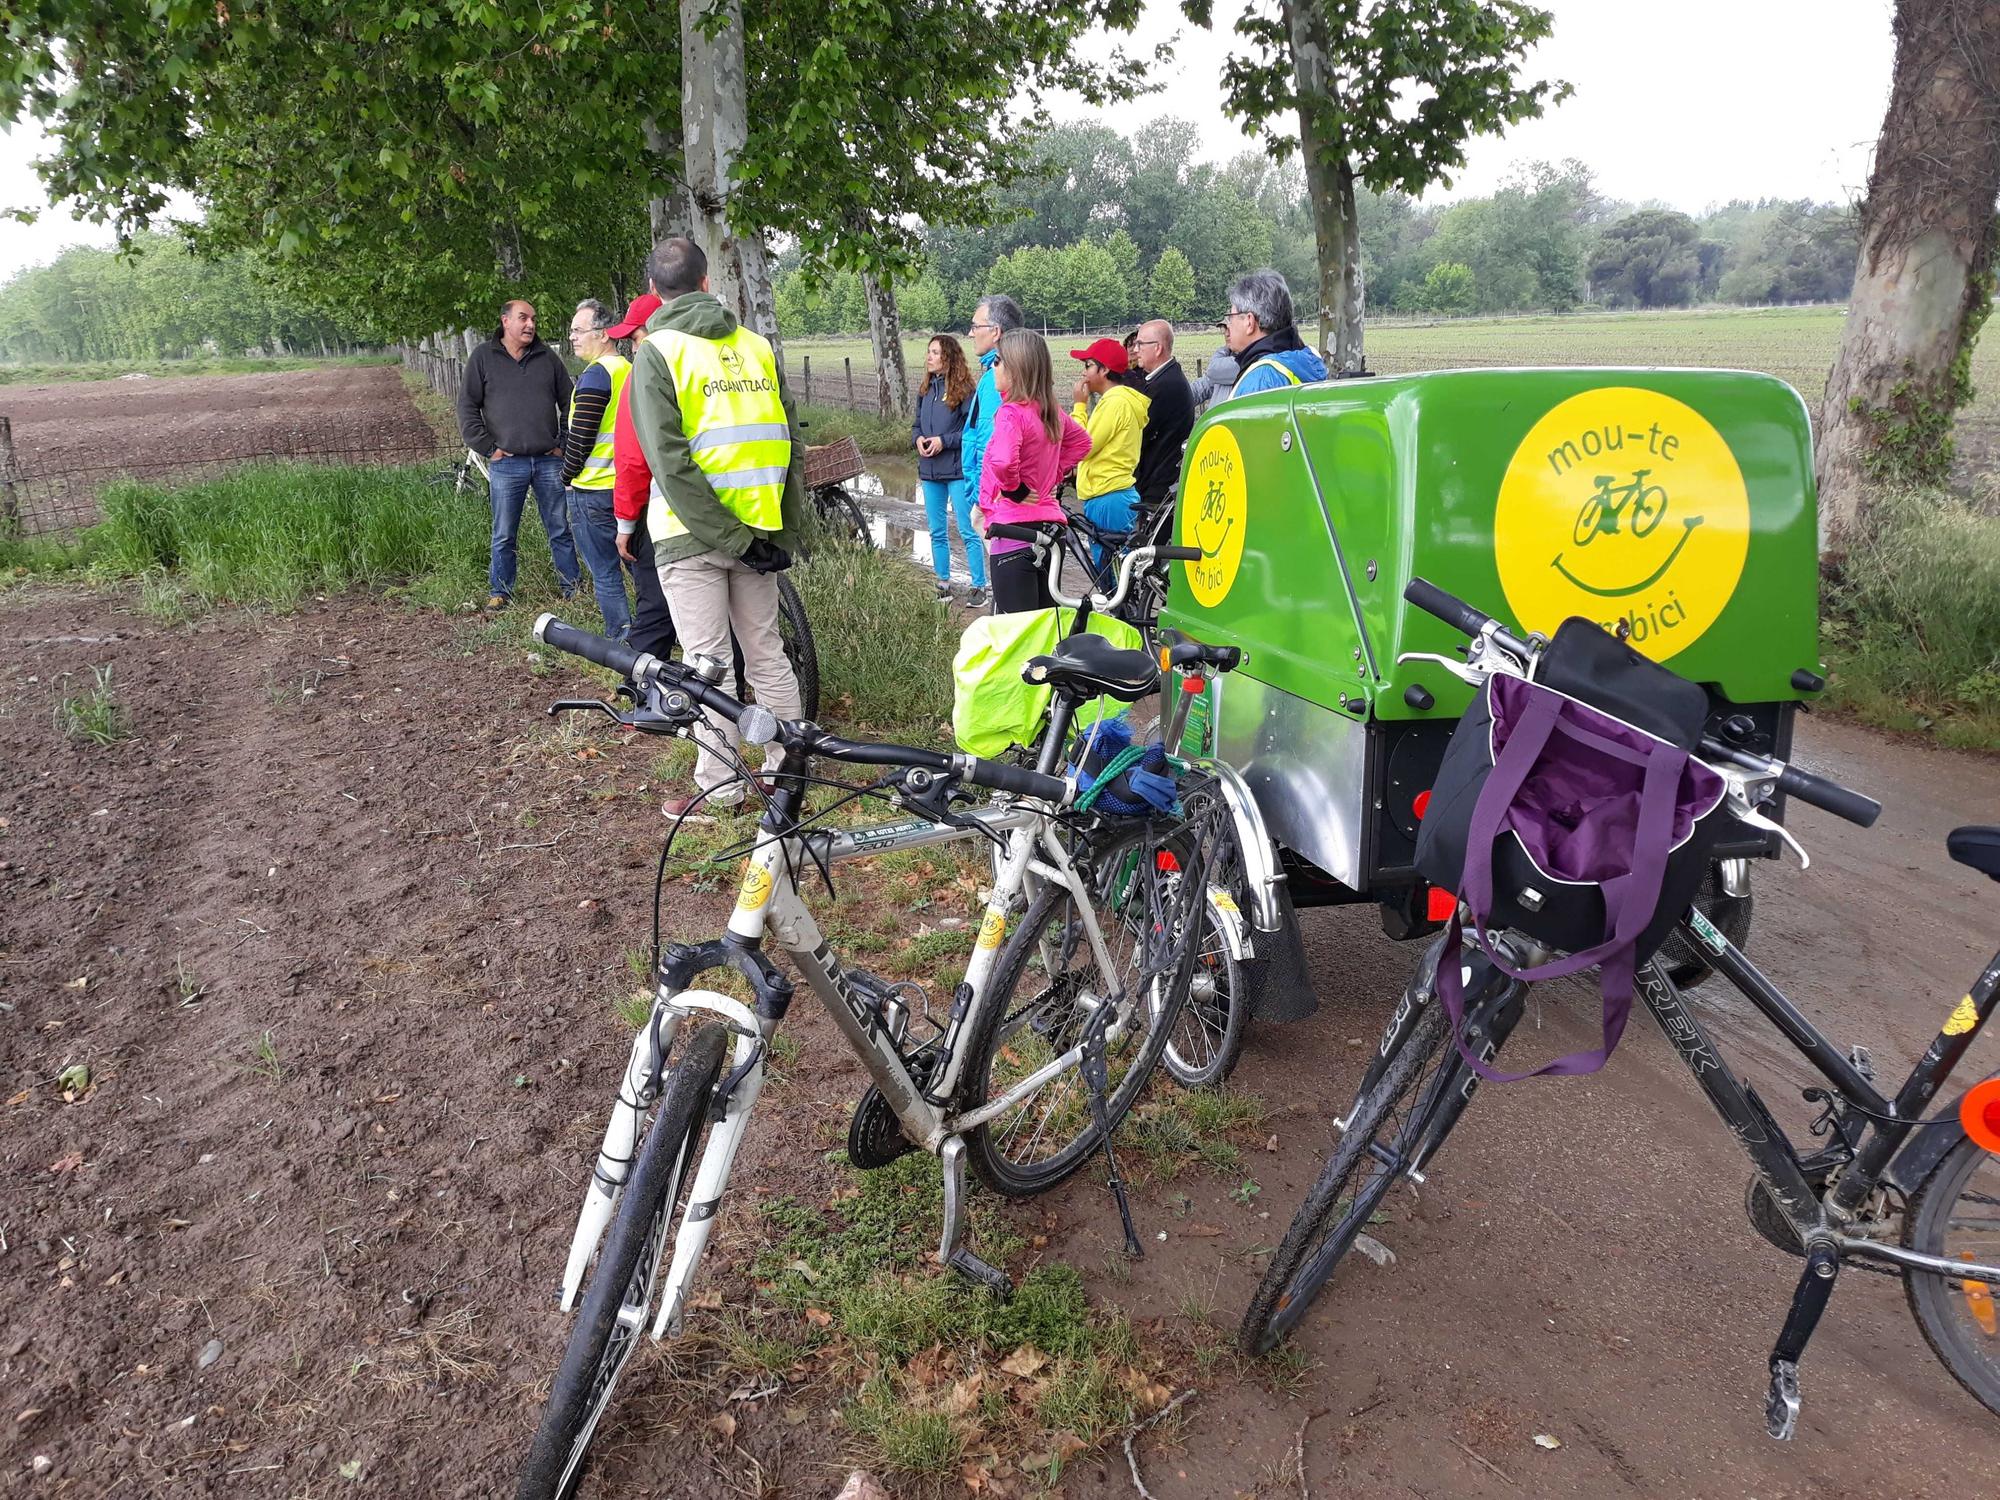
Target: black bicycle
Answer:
pixel 1920 1195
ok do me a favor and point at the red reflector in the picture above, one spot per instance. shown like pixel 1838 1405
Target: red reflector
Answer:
pixel 1980 1114
pixel 1439 903
pixel 1422 805
pixel 1166 861
pixel 1192 685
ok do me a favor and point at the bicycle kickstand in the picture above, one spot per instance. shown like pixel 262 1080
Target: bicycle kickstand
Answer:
pixel 1815 1290
pixel 1097 1078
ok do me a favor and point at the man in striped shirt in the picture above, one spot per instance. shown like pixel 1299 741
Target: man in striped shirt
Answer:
pixel 587 461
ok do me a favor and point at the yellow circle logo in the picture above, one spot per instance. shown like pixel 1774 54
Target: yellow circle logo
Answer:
pixel 755 890
pixel 1623 506
pixel 1215 509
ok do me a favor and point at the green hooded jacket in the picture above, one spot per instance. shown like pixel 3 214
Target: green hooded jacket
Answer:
pixel 656 414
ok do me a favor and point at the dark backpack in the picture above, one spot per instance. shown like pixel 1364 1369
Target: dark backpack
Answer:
pixel 1569 808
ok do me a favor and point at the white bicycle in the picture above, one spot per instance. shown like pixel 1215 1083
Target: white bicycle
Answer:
pixel 1082 962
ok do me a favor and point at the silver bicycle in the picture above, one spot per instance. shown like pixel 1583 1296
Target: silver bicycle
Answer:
pixel 1083 958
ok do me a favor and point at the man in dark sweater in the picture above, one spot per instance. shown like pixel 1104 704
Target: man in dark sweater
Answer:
pixel 510 409
pixel 1169 419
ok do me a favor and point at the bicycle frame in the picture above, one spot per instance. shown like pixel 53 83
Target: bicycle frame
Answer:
pixel 768 904
pixel 1829 1220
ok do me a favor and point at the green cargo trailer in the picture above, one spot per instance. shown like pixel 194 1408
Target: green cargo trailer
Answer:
pixel 1675 507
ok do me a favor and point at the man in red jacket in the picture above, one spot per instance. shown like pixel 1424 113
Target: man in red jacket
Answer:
pixel 652 625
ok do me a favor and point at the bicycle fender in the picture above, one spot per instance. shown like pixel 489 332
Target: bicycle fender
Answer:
pixel 1927 1146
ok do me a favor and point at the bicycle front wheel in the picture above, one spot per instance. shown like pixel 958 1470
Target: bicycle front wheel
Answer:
pixel 1956 1215
pixel 1047 983
pixel 841 514
pixel 1380 1142
pixel 619 1299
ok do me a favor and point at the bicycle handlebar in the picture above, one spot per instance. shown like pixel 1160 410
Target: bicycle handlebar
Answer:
pixel 651 672
pixel 1828 796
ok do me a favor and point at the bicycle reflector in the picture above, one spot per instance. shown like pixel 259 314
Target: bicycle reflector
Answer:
pixel 1439 904
pixel 1979 1113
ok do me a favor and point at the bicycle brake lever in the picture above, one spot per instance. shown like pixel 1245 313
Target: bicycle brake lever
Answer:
pixel 564 705
pixel 1742 812
pixel 1457 669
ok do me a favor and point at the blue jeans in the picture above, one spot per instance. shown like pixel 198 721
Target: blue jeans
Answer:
pixel 511 478
pixel 596 529
pixel 1111 511
pixel 957 495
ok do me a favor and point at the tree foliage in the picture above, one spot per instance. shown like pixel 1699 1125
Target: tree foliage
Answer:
pixel 1648 259
pixel 1172 286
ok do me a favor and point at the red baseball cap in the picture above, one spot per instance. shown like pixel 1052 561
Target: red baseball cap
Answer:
pixel 1106 352
pixel 641 309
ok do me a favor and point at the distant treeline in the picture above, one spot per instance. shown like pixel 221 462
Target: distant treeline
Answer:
pixel 1109 229
pixel 161 302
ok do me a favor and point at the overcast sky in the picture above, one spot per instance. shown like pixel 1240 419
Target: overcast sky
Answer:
pixel 1693 104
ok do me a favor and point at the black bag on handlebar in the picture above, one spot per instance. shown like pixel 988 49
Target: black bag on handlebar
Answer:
pixel 1570 809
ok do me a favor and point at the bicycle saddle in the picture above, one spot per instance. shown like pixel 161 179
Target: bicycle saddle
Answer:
pixel 1977 847
pixel 1084 666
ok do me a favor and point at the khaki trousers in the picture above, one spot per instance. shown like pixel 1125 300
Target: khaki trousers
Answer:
pixel 709 596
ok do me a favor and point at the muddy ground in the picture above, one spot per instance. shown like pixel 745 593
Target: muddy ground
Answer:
pixel 338 932
pixel 72 437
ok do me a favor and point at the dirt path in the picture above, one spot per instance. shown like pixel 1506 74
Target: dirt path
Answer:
pixel 350 915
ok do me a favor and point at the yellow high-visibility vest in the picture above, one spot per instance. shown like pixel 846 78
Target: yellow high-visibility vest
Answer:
pixel 735 425
pixel 596 473
pixel 1291 377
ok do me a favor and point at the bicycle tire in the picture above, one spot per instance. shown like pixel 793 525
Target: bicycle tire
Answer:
pixel 800 647
pixel 841 513
pixel 1003 1021
pixel 626 1275
pixel 1947 1317
pixel 1207 1040
pixel 1322 1231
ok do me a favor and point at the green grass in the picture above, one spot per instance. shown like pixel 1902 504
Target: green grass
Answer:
pixel 885 649
pixel 1797 344
pixel 1912 626
pixel 166 368
pixel 829 424
pixel 93 716
pixel 278 533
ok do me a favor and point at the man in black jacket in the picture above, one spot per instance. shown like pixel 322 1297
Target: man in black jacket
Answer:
pixel 510 410
pixel 1169 419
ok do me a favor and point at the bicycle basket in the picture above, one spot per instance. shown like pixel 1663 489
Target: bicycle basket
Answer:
pixel 992 708
pixel 830 463
pixel 1571 825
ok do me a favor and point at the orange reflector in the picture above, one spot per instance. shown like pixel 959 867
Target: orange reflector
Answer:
pixel 1166 657
pixel 1979 1302
pixel 1980 1114
pixel 1422 805
pixel 1439 903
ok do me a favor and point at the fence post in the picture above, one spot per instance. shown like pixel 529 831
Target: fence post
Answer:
pixel 848 360
pixel 10 472
pixel 806 378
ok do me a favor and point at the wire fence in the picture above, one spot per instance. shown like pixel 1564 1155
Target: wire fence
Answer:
pixel 46 499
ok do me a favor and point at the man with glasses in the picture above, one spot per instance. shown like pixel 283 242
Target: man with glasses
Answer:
pixel 1170 418
pixel 510 408
pixel 996 314
pixel 1260 332
pixel 587 470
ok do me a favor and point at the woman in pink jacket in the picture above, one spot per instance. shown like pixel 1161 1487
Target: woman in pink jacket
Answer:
pixel 1035 442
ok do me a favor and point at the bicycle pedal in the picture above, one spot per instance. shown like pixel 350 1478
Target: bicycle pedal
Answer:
pixel 875 1136
pixel 973 1268
pixel 1781 1406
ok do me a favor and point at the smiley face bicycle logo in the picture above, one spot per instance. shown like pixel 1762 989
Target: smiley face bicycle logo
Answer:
pixel 1214 515
pixel 1627 507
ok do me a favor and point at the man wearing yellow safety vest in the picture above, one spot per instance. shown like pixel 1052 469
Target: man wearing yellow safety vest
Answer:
pixel 586 470
pixel 713 416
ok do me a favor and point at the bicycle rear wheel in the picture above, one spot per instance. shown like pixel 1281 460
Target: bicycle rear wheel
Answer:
pixel 841 514
pixel 800 648
pixel 619 1299
pixel 1384 1133
pixel 1046 983
pixel 1956 1214
pixel 1207 1040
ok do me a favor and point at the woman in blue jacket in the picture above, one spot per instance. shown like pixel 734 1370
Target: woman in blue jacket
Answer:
pixel 937 433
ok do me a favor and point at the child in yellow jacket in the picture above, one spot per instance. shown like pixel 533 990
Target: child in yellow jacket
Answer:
pixel 1105 480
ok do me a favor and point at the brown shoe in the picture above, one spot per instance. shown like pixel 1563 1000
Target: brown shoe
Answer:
pixel 496 601
pixel 698 809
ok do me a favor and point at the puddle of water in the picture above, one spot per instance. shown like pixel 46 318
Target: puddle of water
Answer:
pixel 894 506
